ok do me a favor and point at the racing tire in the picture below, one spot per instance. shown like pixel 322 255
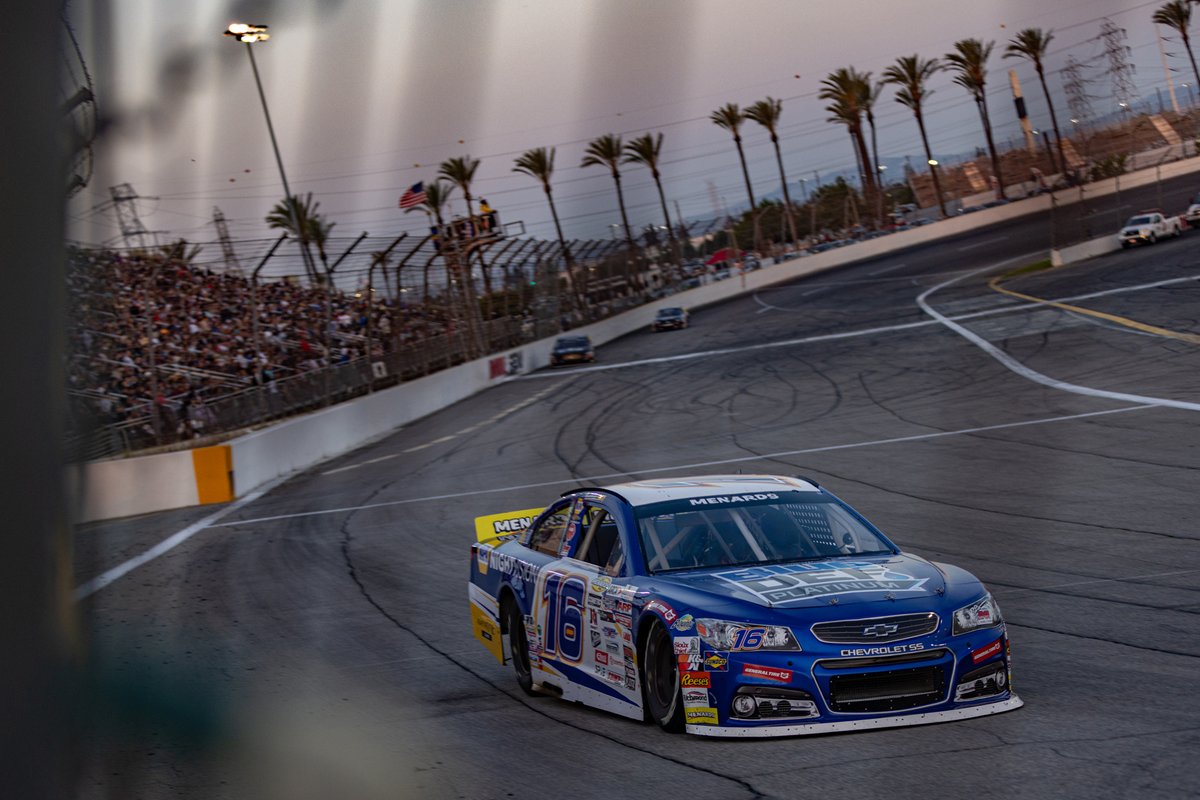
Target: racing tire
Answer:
pixel 518 646
pixel 660 680
pixel 1153 239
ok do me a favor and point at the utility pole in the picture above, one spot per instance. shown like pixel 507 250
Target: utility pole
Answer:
pixel 125 203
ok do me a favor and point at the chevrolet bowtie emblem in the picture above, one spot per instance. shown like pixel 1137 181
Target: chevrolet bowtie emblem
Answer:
pixel 880 629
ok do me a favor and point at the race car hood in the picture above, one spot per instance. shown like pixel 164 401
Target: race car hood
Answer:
pixel 808 584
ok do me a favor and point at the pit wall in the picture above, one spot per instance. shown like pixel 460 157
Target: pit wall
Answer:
pixel 139 485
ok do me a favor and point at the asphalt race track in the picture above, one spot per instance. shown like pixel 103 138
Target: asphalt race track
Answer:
pixel 316 643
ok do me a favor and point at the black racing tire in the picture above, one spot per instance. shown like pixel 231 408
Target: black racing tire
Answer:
pixel 1153 239
pixel 660 680
pixel 518 645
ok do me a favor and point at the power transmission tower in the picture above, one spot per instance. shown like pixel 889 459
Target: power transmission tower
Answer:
pixel 1079 102
pixel 231 260
pixel 125 202
pixel 1120 68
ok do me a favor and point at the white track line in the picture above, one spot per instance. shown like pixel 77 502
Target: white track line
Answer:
pixel 595 479
pixel 1025 372
pixel 985 242
pixel 171 542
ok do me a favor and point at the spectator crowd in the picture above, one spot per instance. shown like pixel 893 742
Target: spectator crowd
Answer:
pixel 150 330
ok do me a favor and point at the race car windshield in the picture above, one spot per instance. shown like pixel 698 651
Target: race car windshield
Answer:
pixel 750 529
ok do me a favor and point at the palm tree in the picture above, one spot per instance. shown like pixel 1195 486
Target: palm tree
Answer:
pixel 766 113
pixel 848 91
pixel 460 171
pixel 1031 44
pixel 1177 14
pixel 969 64
pixel 645 150
pixel 437 195
pixel 730 117
pixel 539 163
pixel 297 216
pixel 606 151
pixel 910 74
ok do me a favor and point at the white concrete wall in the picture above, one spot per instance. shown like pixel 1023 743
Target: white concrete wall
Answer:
pixel 127 486
pixel 152 483
pixel 1084 250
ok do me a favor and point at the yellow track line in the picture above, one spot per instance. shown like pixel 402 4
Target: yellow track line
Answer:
pixel 1193 338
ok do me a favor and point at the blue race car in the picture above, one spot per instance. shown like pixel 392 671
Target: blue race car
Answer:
pixel 734 605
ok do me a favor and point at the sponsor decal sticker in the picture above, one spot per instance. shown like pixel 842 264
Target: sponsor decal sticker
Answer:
pixel 780 584
pixel 663 609
pixel 992 649
pixel 883 651
pixel 687 644
pixel 684 623
pixel 600 584
pixel 716 662
pixel 769 673
pixel 700 716
pixel 690 680
pixel 724 500
pixel 624 607
pixel 695 697
pixel 624 620
pixel 689 663
pixel 601 657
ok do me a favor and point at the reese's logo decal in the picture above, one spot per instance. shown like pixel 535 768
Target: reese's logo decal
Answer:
pixel 779 584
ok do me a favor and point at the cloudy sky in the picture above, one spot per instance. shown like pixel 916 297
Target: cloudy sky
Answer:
pixel 368 96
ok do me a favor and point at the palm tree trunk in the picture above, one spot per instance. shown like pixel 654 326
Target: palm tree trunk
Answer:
pixel 1062 159
pixel 787 198
pixel 933 170
pixel 869 190
pixel 737 140
pixel 981 101
pixel 1187 43
pixel 580 300
pixel 629 270
pixel 676 253
pixel 875 172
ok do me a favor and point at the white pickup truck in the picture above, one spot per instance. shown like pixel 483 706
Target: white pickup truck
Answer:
pixel 1149 227
pixel 1192 215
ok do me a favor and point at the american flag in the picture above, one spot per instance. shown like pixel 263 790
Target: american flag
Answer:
pixel 413 196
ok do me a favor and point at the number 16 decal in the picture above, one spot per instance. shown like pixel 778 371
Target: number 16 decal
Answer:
pixel 563 597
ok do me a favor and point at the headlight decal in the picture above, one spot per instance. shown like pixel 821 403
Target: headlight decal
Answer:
pixel 739 636
pixel 983 613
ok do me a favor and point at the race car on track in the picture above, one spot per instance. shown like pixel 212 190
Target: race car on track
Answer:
pixel 734 605
pixel 572 350
pixel 670 319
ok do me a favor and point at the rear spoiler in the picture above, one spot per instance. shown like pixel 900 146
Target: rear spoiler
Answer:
pixel 493 526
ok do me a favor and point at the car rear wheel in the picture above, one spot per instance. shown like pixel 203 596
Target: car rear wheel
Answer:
pixel 1153 238
pixel 518 645
pixel 660 680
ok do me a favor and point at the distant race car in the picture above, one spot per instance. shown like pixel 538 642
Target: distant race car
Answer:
pixel 572 350
pixel 670 318
pixel 1149 227
pixel 734 605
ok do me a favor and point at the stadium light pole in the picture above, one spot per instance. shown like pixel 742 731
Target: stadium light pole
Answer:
pixel 249 34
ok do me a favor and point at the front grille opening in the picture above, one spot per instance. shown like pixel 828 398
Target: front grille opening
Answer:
pixel 876 630
pixel 893 690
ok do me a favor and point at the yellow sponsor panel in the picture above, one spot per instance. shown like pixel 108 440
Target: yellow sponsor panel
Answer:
pixel 487 632
pixel 214 473
pixel 494 526
pixel 700 716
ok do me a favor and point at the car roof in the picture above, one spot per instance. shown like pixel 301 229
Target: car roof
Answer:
pixel 657 490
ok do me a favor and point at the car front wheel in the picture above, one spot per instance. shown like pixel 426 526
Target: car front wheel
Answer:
pixel 660 680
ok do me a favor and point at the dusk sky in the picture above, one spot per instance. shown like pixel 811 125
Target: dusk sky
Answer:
pixel 368 97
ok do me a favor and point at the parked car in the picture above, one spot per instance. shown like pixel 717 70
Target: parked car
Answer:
pixel 572 350
pixel 1149 227
pixel 670 319
pixel 1192 215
